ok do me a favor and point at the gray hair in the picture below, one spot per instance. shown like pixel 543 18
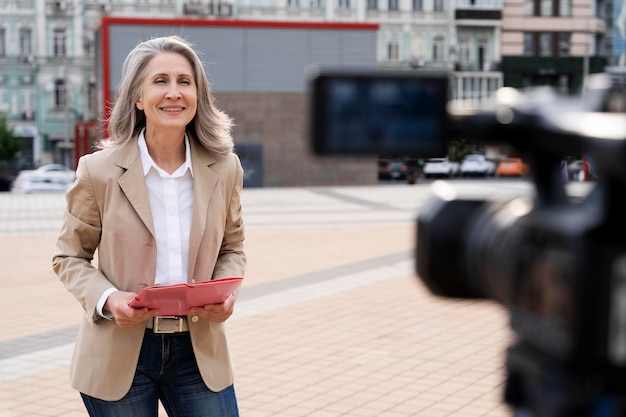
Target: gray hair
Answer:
pixel 210 126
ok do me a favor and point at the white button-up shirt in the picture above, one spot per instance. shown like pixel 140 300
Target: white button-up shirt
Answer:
pixel 171 198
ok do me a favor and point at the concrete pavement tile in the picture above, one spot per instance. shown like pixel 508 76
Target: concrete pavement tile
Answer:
pixel 283 253
pixel 33 299
pixel 355 344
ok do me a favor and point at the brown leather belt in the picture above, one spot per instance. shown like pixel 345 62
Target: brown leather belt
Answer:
pixel 168 324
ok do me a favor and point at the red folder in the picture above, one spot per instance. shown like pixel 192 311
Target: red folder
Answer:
pixel 176 300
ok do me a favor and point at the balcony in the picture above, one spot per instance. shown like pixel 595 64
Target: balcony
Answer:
pixel 478 10
pixel 306 11
pixel 470 66
pixel 121 7
pixel 197 8
pixel 17 5
pixel 59 8
pixel 27 115
pixel 479 4
pixel 19 63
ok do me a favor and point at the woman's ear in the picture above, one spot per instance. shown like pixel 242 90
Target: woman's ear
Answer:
pixel 139 105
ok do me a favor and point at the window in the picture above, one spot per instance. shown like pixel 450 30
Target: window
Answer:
pixel 3 51
pixel 26 49
pixel 393 51
pixel 418 5
pixel 293 3
pixel 372 4
pixel 439 5
pixel 344 4
pixel 27 103
pixel 483 55
pixel 418 48
pixel 59 42
pixel 92 96
pixel 464 51
pixel 4 100
pixel 545 44
pixel 564 44
pixel 90 46
pixel 28 99
pixel 529 44
pixel 393 5
pixel 438 48
pixel 60 94
pixel 529 7
pixel 315 4
pixel 546 8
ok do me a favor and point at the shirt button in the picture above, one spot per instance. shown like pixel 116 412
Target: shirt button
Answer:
pixel 194 319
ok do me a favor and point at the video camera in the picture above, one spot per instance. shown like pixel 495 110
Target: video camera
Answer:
pixel 558 263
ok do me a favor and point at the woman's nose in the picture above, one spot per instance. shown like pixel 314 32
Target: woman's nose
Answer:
pixel 173 90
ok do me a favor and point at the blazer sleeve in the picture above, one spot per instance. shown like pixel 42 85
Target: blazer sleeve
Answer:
pixel 231 260
pixel 77 242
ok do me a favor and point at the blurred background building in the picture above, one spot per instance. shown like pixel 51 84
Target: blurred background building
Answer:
pixel 51 63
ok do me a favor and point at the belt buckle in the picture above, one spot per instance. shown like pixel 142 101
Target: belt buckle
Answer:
pixel 157 319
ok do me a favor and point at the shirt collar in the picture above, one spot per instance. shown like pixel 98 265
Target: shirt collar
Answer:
pixel 148 162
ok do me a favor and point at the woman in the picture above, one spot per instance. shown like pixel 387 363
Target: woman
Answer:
pixel 161 204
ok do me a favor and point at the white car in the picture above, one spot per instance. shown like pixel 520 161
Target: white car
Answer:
pixel 477 165
pixel 37 184
pixel 440 167
pixel 46 178
pixel 50 171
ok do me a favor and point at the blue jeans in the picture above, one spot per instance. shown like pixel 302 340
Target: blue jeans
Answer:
pixel 167 371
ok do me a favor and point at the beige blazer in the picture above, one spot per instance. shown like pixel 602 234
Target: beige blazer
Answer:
pixel 108 210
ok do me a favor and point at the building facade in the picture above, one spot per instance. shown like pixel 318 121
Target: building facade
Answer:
pixel 45 76
pixel 259 75
pixel 48 50
pixel 554 42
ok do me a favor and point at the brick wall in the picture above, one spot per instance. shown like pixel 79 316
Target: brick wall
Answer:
pixel 280 123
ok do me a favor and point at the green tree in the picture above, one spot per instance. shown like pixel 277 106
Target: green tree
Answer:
pixel 457 149
pixel 9 144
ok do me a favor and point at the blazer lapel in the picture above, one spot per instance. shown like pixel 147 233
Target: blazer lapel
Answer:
pixel 204 182
pixel 133 184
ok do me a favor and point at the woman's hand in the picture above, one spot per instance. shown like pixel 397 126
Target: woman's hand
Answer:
pixel 124 315
pixel 215 312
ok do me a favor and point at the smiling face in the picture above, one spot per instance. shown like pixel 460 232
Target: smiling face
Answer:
pixel 168 94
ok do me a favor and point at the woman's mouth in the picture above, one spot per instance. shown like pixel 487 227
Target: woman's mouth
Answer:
pixel 173 109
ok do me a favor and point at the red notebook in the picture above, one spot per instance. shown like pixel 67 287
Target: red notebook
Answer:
pixel 176 300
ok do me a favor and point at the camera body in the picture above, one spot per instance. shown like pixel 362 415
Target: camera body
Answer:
pixel 557 262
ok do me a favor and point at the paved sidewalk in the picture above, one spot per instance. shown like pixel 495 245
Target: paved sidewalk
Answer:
pixel 331 320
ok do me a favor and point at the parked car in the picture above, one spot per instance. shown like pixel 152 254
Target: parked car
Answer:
pixel 50 171
pixel 414 169
pixel 477 165
pixel 397 170
pixel 440 167
pixel 513 167
pixel 39 184
pixel 46 178
pixel 383 172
